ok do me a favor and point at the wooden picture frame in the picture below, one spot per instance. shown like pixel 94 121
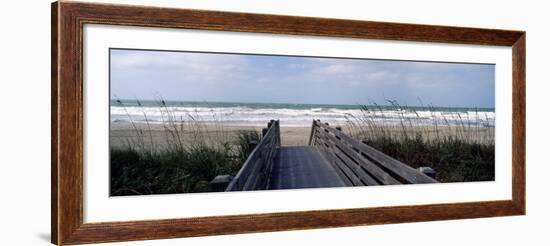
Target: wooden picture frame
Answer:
pixel 68 19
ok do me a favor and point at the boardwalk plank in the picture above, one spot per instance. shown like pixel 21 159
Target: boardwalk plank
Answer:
pixel 302 167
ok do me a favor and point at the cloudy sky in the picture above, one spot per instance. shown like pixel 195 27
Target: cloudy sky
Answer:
pixel 188 76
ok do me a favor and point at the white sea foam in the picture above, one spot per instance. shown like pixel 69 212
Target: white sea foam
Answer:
pixel 247 116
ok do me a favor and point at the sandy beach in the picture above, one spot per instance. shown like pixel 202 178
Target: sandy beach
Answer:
pixel 122 132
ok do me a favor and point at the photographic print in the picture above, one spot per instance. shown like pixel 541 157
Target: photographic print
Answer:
pixel 202 119
pixel 189 122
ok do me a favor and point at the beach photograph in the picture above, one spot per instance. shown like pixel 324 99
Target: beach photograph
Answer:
pixel 192 122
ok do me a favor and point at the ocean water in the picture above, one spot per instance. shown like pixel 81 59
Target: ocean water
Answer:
pixel 258 114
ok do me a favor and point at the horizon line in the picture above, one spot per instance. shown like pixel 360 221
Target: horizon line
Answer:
pixel 283 103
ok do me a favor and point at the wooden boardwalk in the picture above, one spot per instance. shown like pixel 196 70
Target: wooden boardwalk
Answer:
pixel 302 167
pixel 331 159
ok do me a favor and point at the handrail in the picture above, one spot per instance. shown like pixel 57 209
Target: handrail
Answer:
pixel 254 174
pixel 359 164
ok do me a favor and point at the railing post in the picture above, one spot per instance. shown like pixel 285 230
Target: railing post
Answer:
pixel 220 183
pixel 264 132
pixel 311 134
pixel 278 133
pixel 428 171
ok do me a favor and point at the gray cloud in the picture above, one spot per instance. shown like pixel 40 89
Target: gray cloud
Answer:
pixel 256 78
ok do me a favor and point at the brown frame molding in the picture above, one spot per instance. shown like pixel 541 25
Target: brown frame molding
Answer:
pixel 68 19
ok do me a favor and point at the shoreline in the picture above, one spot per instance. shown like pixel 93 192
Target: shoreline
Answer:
pixel 121 133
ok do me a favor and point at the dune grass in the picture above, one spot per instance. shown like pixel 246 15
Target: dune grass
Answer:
pixel 143 167
pixel 459 150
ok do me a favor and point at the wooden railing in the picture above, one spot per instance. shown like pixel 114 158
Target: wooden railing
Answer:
pixel 254 174
pixel 359 164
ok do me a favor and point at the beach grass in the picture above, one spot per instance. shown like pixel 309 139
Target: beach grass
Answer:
pixel 143 167
pixel 191 153
pixel 459 151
